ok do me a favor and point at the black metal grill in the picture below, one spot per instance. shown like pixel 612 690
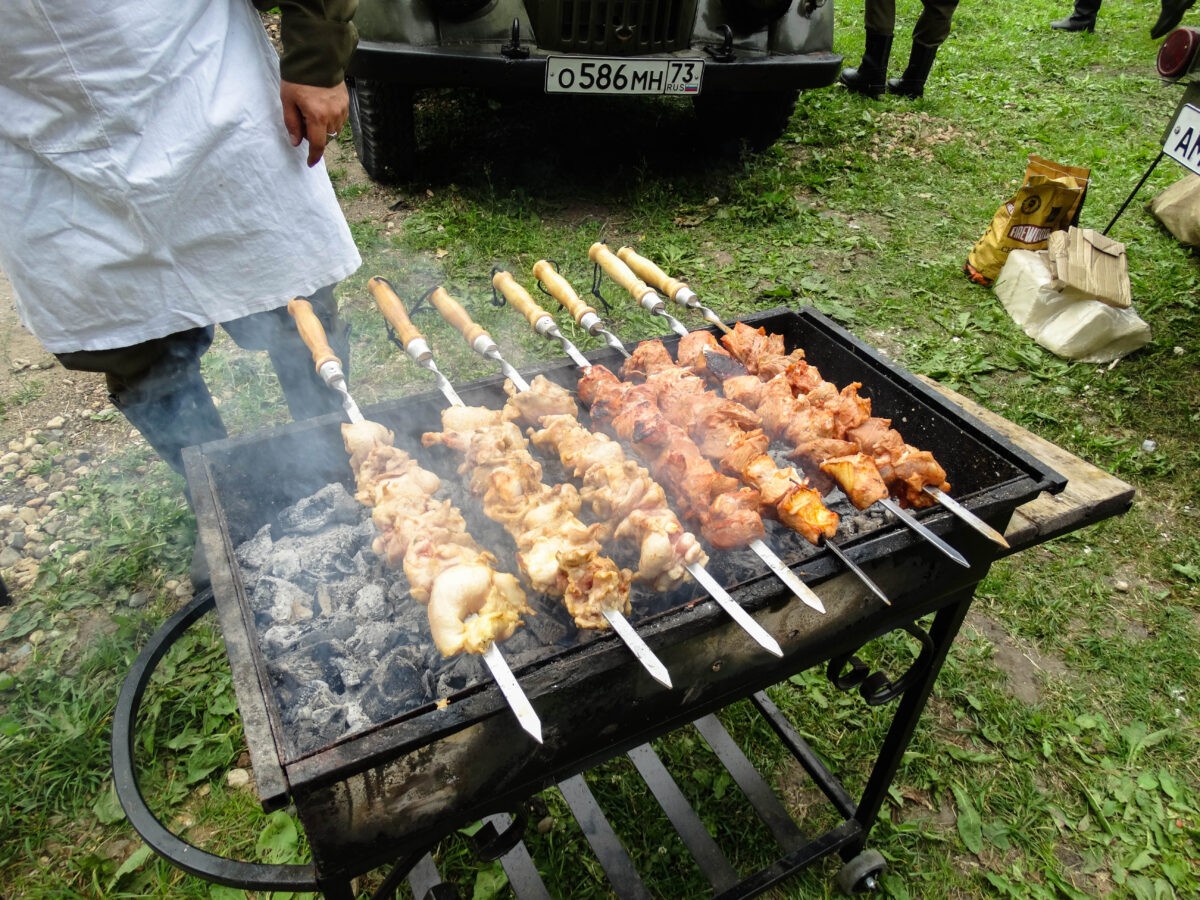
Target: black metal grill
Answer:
pixel 615 27
pixel 393 790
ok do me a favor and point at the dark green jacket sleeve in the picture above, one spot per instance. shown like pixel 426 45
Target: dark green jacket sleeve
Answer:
pixel 318 39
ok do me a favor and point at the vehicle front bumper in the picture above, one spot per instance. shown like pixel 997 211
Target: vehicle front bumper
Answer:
pixel 488 68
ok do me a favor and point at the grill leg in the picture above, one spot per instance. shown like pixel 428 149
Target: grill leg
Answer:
pixel 946 624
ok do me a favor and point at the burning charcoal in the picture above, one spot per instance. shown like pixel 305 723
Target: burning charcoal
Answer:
pixel 281 601
pixel 253 554
pixel 279 639
pixel 342 592
pixel 332 505
pixel 394 688
pixel 464 670
pixel 349 671
pixel 372 640
pixel 370 604
pixel 548 626
pixel 284 562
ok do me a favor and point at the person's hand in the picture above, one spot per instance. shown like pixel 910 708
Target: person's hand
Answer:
pixel 315 114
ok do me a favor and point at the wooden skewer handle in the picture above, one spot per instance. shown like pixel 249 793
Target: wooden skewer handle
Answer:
pixel 618 271
pixel 561 290
pixel 393 310
pixel 453 313
pixel 312 332
pixel 650 273
pixel 519 297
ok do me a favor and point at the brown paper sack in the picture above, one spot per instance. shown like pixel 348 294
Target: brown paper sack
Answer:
pixel 1178 208
pixel 1048 200
pixel 1088 265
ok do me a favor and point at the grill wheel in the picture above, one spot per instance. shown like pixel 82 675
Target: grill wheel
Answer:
pixel 381 118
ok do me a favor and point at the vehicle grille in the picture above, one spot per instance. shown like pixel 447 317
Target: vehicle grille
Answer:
pixel 615 27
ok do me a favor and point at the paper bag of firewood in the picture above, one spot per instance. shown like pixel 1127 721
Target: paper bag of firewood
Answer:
pixel 1048 199
pixel 1178 208
pixel 1087 265
pixel 1082 329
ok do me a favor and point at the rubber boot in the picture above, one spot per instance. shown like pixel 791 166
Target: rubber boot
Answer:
pixel 182 416
pixel 870 78
pixel 912 83
pixel 1082 18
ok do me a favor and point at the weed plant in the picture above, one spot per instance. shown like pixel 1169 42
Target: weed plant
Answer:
pixel 1071 773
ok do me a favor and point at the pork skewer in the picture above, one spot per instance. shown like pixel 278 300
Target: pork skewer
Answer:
pixel 470 605
pixel 688 463
pixel 624 277
pixel 541 518
pixel 673 288
pixel 612 477
pixel 684 296
pixel 867 447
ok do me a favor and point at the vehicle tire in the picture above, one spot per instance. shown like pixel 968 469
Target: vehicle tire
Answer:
pixel 758 120
pixel 861 874
pixel 381 118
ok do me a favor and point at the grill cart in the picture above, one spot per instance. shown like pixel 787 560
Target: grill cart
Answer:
pixel 393 772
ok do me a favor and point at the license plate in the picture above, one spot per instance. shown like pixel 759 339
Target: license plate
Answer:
pixel 1183 138
pixel 617 75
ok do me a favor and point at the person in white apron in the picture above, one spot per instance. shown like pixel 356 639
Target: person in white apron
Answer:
pixel 158 179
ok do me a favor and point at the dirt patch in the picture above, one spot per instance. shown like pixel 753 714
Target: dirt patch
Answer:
pixel 1021 665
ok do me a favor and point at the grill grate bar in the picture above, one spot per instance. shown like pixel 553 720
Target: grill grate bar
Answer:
pixel 757 791
pixel 614 859
pixel 695 836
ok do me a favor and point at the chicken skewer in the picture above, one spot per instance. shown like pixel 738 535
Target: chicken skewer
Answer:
pixel 470 605
pixel 572 441
pixel 728 434
pixel 861 467
pixel 705 496
pixel 558 553
pixel 684 296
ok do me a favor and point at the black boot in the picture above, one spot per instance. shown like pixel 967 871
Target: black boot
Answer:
pixel 912 83
pixel 1083 18
pixel 1171 16
pixel 870 77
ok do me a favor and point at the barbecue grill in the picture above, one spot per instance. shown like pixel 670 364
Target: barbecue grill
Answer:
pixel 387 792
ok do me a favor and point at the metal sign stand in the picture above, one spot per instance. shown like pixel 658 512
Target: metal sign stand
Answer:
pixel 1189 110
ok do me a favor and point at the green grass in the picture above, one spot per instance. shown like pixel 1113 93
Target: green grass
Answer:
pixel 865 209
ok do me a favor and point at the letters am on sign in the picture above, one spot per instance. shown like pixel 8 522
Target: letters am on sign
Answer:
pixel 1182 143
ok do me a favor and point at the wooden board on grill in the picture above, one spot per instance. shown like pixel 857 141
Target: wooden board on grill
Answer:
pixel 1091 493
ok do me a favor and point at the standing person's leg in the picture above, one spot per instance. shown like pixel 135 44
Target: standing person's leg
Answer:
pixel 275 331
pixel 870 78
pixel 157 386
pixel 1171 16
pixel 1082 17
pixel 929 33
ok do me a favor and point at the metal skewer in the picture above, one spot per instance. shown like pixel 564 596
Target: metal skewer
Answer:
pixel 525 304
pixel 329 367
pixel 313 334
pixel 765 553
pixel 481 342
pixel 560 289
pixel 908 519
pixel 645 295
pixel 410 339
pixel 684 296
pixel 671 287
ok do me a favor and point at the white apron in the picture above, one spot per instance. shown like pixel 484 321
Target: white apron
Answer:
pixel 147 184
